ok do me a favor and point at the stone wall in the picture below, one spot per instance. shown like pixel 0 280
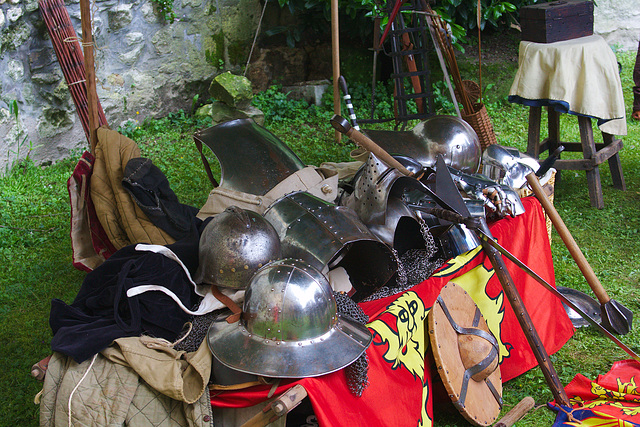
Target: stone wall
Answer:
pixel 147 67
pixel 618 21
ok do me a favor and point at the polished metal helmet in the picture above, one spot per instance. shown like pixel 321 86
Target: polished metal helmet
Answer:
pixel 290 327
pixel 454 139
pixel 449 136
pixel 233 246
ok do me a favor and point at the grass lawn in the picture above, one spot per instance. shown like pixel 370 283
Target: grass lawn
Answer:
pixel 35 249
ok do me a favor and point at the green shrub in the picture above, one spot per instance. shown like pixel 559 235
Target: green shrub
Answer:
pixel 278 106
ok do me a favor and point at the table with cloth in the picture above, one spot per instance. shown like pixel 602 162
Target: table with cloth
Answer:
pixel 580 77
pixel 401 381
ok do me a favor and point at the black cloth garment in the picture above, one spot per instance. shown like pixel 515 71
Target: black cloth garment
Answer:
pixel 102 312
pixel 150 189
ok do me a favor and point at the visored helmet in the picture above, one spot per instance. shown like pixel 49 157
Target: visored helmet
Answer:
pixel 507 165
pixel 233 246
pixel 290 327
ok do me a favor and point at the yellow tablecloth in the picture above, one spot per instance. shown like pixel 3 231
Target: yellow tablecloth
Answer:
pixel 578 76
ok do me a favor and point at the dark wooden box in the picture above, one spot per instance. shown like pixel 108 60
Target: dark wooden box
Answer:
pixel 556 21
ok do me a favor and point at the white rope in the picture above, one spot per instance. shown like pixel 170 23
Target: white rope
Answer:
pixel 255 38
pixel 77 385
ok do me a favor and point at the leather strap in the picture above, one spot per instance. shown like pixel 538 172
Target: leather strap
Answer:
pixel 205 162
pixel 235 308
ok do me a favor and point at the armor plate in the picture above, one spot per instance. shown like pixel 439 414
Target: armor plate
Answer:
pixel 327 236
pixel 240 145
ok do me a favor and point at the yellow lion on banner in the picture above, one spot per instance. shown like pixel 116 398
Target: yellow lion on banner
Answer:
pixel 406 344
pixel 406 338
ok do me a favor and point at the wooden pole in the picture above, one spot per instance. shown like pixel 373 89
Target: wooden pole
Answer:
pixel 90 72
pixel 515 414
pixel 335 56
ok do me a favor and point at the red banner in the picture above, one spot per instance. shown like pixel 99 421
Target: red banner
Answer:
pixel 400 391
pixel 614 397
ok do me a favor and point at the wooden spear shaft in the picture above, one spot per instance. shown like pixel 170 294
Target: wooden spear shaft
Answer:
pixel 90 73
pixel 335 56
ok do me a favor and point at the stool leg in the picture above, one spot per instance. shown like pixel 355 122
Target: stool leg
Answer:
pixel 533 137
pixel 553 140
pixel 614 165
pixel 588 151
pixel 554 129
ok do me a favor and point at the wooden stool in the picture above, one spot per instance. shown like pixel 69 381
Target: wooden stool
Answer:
pixel 594 154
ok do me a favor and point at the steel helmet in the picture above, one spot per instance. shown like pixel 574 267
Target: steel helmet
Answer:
pixel 233 246
pixel 507 165
pixel 449 136
pixel 454 139
pixel 290 327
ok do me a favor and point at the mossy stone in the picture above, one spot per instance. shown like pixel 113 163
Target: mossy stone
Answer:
pixel 235 91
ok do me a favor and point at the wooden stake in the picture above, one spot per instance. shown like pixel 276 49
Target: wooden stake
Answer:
pixel 335 56
pixel 515 414
pixel 90 73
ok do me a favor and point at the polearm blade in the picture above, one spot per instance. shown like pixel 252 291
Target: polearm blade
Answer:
pixel 555 292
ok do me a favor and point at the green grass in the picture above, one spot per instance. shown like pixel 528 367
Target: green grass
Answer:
pixel 36 256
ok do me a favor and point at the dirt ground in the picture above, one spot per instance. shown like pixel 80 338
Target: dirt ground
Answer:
pixel 495 46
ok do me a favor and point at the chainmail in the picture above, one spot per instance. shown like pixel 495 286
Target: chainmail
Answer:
pixel 401 272
pixel 414 266
pixel 199 327
pixel 357 377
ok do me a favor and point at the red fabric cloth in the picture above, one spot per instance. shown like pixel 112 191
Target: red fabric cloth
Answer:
pixel 400 390
pixel 615 393
pixel 89 242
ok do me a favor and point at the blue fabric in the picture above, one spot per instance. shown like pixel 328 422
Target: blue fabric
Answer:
pixel 587 416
